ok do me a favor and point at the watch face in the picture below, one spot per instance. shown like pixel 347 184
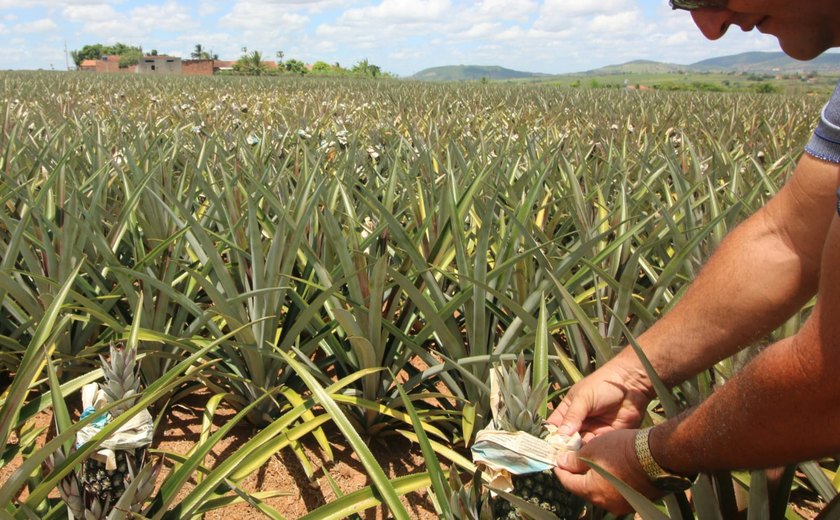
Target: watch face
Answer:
pixel 672 483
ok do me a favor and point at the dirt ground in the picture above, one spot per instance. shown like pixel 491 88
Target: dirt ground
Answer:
pixel 284 471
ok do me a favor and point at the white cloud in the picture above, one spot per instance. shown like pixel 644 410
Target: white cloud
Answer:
pixel 139 26
pixel 16 4
pixel 89 13
pixel 171 16
pixel 398 12
pixel 113 30
pixel 621 23
pixel 401 36
pixel 265 16
pixel 565 8
pixel 499 10
pixel 37 26
pixel 676 39
pixel 481 30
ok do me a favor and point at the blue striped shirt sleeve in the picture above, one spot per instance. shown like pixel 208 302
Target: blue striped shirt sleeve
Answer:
pixel 825 143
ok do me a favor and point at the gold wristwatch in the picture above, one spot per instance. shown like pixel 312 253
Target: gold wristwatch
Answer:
pixel 661 478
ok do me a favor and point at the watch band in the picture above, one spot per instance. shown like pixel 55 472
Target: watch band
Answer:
pixel 651 467
pixel 658 476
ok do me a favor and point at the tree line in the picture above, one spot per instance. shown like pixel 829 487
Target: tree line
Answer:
pixel 254 64
pixel 249 63
pixel 129 55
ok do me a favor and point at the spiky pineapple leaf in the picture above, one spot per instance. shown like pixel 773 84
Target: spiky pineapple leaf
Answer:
pixel 433 466
pixel 639 502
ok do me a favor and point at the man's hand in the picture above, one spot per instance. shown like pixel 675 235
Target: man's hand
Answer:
pixel 614 397
pixel 615 452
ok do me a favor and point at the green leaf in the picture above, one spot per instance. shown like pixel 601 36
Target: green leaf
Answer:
pixel 467 422
pixel 818 479
pixel 438 478
pixel 374 471
pixel 366 498
pixel 540 363
pixel 759 508
pixel 61 415
pixel 33 360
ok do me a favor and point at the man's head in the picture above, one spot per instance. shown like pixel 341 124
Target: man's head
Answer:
pixel 804 28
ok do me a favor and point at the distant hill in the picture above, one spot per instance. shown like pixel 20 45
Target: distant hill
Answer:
pixel 472 72
pixel 639 67
pixel 768 62
pixel 757 62
pixel 764 62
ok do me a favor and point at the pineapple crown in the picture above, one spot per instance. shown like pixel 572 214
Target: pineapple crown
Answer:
pixel 520 403
pixel 122 377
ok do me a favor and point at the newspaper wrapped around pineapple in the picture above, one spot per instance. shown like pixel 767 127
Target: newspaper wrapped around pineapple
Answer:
pixel 518 453
pixel 518 449
pixel 136 433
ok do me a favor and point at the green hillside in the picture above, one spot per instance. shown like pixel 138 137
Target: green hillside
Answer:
pixel 749 62
pixel 472 72
pixel 769 62
pixel 638 67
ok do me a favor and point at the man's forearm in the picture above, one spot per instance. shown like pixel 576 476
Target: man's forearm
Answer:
pixel 783 407
pixel 764 271
pixel 779 410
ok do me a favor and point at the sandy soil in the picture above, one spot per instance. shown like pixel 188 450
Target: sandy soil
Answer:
pixel 284 471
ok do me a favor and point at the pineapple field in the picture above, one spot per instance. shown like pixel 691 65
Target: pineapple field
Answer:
pixel 338 263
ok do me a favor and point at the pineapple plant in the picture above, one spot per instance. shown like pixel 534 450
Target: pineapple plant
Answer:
pixel 518 411
pixel 122 381
pixel 124 481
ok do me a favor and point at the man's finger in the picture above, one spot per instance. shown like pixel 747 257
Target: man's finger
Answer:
pixel 570 462
pixel 557 415
pixel 577 409
pixel 586 486
pixel 575 483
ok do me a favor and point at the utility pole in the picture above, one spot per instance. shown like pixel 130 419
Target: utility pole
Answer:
pixel 66 59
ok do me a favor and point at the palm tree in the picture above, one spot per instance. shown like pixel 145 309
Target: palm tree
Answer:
pixel 251 64
pixel 199 53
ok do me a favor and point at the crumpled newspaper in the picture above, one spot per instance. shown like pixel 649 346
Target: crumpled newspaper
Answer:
pixel 504 454
pixel 136 433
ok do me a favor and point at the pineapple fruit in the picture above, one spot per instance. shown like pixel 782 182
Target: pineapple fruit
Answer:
pixel 122 380
pixel 109 485
pixel 519 411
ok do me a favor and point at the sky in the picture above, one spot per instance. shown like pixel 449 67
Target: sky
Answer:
pixel 400 36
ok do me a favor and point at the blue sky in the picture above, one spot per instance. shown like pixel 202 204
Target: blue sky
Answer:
pixel 401 36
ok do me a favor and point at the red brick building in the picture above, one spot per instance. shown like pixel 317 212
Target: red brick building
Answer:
pixel 197 67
